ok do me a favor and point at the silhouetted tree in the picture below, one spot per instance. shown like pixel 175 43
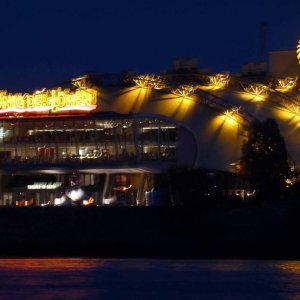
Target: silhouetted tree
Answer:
pixel 264 160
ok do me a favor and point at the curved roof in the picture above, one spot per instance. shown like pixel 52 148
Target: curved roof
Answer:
pixel 217 108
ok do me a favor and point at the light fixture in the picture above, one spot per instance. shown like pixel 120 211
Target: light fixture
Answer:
pixel 149 81
pixel 286 84
pixel 81 82
pixel 184 90
pixel 257 90
pixel 294 109
pixel 40 91
pixel 218 81
pixel 232 113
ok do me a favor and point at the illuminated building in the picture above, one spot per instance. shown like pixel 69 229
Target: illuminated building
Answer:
pixel 101 139
pixel 65 142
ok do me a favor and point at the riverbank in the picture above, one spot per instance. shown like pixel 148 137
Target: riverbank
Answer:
pixel 265 231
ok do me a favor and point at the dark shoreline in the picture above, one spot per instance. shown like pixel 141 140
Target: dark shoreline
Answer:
pixel 265 231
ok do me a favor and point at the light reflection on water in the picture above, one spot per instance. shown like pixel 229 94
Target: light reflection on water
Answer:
pixel 83 278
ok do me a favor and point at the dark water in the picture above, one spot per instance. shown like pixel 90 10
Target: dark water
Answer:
pixel 148 279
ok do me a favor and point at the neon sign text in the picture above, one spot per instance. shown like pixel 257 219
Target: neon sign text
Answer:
pixel 52 100
pixel 44 186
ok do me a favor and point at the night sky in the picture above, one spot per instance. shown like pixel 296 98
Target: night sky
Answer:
pixel 46 42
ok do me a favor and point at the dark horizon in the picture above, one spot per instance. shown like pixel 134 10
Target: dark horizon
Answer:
pixel 45 43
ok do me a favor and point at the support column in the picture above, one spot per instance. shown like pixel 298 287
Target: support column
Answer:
pixel 106 196
pixel 139 197
pixel 135 140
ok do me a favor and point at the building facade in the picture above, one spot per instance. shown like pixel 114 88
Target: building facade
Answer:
pixel 101 139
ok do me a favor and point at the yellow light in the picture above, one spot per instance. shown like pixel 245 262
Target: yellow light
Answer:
pixel 289 182
pixel 298 51
pixel 90 201
pixel 295 109
pixel 54 100
pixel 82 99
pixel 228 122
pixel 217 81
pixel 286 84
pixel 81 82
pixel 225 129
pixel 131 99
pixel 231 115
pixel 184 91
pixel 290 115
pixel 255 92
pixel 251 97
pixel 293 176
pixel 174 106
pixel 40 91
pixel 149 81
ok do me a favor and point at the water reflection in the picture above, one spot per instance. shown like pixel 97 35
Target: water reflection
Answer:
pixel 47 278
pixel 55 264
pixel 292 267
pixel 290 278
pixel 82 278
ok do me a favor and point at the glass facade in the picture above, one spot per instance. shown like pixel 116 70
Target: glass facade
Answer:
pixel 93 144
pixel 86 141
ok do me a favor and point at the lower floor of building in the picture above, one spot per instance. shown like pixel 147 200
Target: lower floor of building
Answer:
pixel 74 189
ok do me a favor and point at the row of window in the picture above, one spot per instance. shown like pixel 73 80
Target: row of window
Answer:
pixel 27 142
pixel 31 132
